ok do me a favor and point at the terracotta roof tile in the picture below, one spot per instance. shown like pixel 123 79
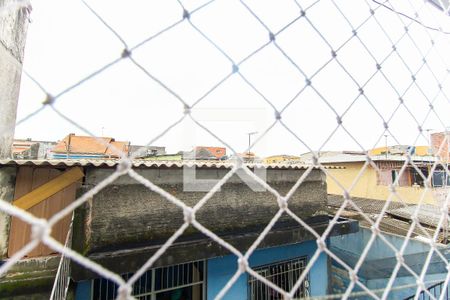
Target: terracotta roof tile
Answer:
pixel 90 145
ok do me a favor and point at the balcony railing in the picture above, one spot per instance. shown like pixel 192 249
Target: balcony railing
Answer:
pixel 436 290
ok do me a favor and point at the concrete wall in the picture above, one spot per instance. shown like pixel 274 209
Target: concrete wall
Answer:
pixel 367 187
pixel 221 269
pixel 30 279
pixel 128 214
pixel 123 225
pixel 7 184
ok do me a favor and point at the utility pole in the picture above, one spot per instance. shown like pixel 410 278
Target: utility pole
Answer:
pixel 249 137
pixel 13 28
pixel 386 145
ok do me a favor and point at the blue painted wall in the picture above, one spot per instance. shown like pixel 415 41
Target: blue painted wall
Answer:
pixel 221 269
pixel 83 290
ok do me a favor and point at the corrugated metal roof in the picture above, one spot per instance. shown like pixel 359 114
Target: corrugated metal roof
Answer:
pixel 428 214
pixel 140 163
pixel 369 206
pixel 390 222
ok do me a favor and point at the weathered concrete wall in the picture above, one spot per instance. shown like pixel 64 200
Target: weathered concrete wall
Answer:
pixel 175 175
pixel 30 279
pixel 125 224
pixel 126 214
pixel 7 184
pixel 13 28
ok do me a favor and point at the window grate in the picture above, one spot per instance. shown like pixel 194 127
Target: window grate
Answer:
pixel 183 280
pixel 283 274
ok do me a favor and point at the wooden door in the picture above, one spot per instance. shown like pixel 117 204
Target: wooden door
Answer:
pixel 28 179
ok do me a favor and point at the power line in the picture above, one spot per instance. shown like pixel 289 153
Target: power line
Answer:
pixel 411 18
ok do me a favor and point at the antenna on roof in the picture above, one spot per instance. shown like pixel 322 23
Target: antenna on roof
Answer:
pixel 386 144
pixel 249 136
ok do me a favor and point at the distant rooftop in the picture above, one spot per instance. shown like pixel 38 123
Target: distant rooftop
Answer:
pixel 343 157
pixel 106 146
pixel 390 153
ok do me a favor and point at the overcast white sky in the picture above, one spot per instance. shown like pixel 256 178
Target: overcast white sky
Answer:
pixel 66 42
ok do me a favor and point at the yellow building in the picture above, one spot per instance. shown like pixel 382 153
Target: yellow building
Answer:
pixel 277 159
pixel 367 181
pixel 417 150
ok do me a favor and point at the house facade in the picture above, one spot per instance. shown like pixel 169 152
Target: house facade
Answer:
pixel 204 152
pixel 204 279
pixel 374 183
pixel 125 223
pixel 29 149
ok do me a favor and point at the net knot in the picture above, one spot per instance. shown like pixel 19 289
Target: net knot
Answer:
pixel 375 229
pixel 352 275
pixel 277 115
pixel 420 284
pixel 400 258
pixel 271 36
pixel 243 264
pixel 125 53
pixel 321 244
pixel 124 165
pixel 40 230
pixel 187 109
pixel 49 100
pixel 186 14
pixel 282 203
pixel 346 195
pixel 189 215
pixel 124 292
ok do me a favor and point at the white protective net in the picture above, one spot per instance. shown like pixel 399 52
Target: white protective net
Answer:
pixel 333 74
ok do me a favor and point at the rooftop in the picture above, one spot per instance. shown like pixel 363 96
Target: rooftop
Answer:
pixel 397 218
pixel 141 163
pixel 344 157
pixel 90 145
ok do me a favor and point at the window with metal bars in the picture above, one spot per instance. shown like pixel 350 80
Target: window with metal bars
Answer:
pixel 177 282
pixel 283 274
